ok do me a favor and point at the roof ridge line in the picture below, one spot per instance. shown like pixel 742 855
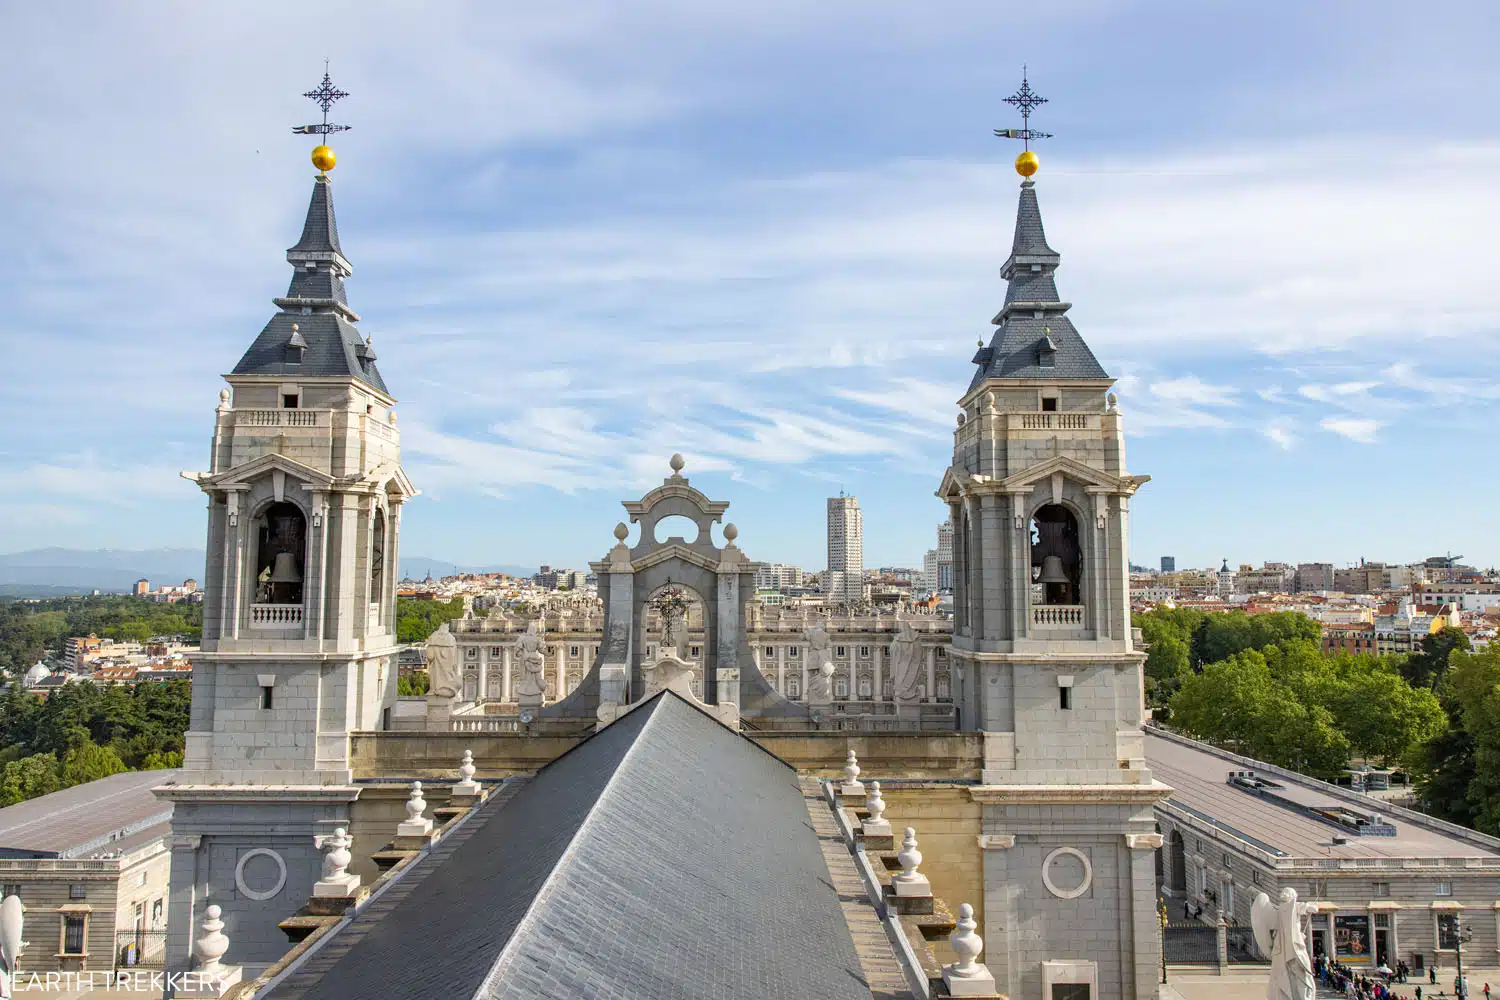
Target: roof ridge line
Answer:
pixel 543 894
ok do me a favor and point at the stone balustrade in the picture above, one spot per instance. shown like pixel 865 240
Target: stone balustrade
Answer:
pixel 1053 421
pixel 282 418
pixel 275 615
pixel 1057 615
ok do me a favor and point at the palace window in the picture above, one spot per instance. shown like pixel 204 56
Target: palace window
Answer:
pixel 266 696
pixel 794 652
pixel 281 554
pixel 864 652
pixel 1056 555
pixel 695 652
pixel 793 688
pixel 1065 698
pixel 838 651
pixel 11 889
pixel 73 926
pixel 1382 890
pixel 78 891
pixel 377 557
pixel 942 652
pixel 841 688
pixel 1049 404
pixel 770 652
pixel 494 650
pixel 573 651
pixel 1444 889
pixel 865 688
pixel 471 653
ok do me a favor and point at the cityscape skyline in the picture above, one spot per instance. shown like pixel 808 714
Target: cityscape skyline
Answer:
pixel 589 210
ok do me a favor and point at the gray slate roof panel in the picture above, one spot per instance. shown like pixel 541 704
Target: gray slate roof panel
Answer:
pixel 63 823
pixel 1013 349
pixel 668 857
pixel 333 343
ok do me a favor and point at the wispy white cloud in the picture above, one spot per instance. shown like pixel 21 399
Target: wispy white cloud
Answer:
pixel 1192 389
pixel 1360 429
pixel 1280 433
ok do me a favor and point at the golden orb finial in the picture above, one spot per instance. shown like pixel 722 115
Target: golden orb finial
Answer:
pixel 1026 163
pixel 324 160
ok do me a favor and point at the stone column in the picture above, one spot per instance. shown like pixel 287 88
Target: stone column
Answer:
pixel 876 694
pixel 484 673
pixel 781 669
pixel 562 670
pixel 505 672
pixel 804 648
pixel 932 673
pixel 234 568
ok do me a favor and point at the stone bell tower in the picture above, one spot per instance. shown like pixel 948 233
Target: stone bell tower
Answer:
pixel 1040 498
pixel 305 490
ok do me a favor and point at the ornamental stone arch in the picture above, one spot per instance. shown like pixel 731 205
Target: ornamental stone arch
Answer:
pixel 723 580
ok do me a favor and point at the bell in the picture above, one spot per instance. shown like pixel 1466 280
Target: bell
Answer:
pixel 285 570
pixel 1052 570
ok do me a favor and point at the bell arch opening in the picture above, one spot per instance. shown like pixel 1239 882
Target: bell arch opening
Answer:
pixel 1056 557
pixel 281 554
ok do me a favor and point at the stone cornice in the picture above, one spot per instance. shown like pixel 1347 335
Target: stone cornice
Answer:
pixel 257 793
pixel 1066 794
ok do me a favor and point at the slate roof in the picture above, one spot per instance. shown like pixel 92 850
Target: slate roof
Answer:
pixel 666 857
pixel 315 301
pixel 102 815
pixel 1034 338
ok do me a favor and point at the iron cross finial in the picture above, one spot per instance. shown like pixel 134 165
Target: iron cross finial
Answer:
pixel 325 96
pixel 1026 101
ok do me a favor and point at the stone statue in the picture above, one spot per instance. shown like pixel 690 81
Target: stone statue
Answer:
pixel 12 919
pixel 1278 934
pixel 907 666
pixel 445 680
pixel 531 686
pixel 820 665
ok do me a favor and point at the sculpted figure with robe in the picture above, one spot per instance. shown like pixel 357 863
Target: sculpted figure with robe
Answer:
pixel 531 687
pixel 444 678
pixel 907 666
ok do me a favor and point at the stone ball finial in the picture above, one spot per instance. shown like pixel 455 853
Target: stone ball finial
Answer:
pixel 416 805
pixel 392 416
pixel 966 945
pixel 875 803
pixel 212 944
pixel 909 857
pixel 621 531
pixel 224 396
pixel 466 766
pixel 731 532
pixel 851 768
pixel 677 463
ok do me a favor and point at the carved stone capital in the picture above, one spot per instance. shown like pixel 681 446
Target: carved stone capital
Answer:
pixel 1143 841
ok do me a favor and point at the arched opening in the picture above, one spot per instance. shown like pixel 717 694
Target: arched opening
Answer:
pixel 1056 559
pixel 281 554
pixel 676 526
pixel 377 557
pixel 1178 881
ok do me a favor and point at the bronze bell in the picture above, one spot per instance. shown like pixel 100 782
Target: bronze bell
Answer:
pixel 285 570
pixel 1052 571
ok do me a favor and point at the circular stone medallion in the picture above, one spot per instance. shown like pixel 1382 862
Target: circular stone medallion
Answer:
pixel 259 894
pixel 1082 886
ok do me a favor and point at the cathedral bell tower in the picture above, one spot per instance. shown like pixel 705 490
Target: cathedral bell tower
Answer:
pixel 305 490
pixel 1042 642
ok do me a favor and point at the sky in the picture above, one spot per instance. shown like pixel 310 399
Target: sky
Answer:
pixel 767 236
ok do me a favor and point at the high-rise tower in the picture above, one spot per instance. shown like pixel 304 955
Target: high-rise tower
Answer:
pixel 304 490
pixel 1039 500
pixel 846 550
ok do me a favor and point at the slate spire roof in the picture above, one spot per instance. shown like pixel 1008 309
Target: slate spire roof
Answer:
pixel 326 341
pixel 1034 338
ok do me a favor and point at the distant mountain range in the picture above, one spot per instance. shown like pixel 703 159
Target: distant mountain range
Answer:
pixel 53 572
pixel 418 567
pixel 56 572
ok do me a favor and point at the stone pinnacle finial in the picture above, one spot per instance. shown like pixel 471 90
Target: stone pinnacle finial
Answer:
pixel 416 804
pixel 677 463
pixel 909 857
pixel 851 768
pixel 338 857
pixel 731 532
pixel 621 532
pixel 875 803
pixel 211 944
pixel 965 943
pixel 466 766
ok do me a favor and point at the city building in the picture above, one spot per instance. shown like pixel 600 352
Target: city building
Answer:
pixel 844 581
pixel 945 556
pixel 778 576
pixel 1385 883
pixel 1314 578
pixel 1169 564
pixel 930 571
pixel 142 588
pixel 90 864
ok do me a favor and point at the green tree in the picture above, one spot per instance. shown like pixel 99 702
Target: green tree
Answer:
pixel 1426 666
pixel 1473 684
pixel 416 620
pixel 412 684
pixel 29 777
pixel 88 762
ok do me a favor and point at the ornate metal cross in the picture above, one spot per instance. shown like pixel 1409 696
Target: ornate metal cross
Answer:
pixel 325 96
pixel 1027 101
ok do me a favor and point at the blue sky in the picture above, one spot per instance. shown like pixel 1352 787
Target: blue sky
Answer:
pixel 766 236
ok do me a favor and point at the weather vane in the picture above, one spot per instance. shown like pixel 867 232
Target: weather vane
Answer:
pixel 1026 101
pixel 325 96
